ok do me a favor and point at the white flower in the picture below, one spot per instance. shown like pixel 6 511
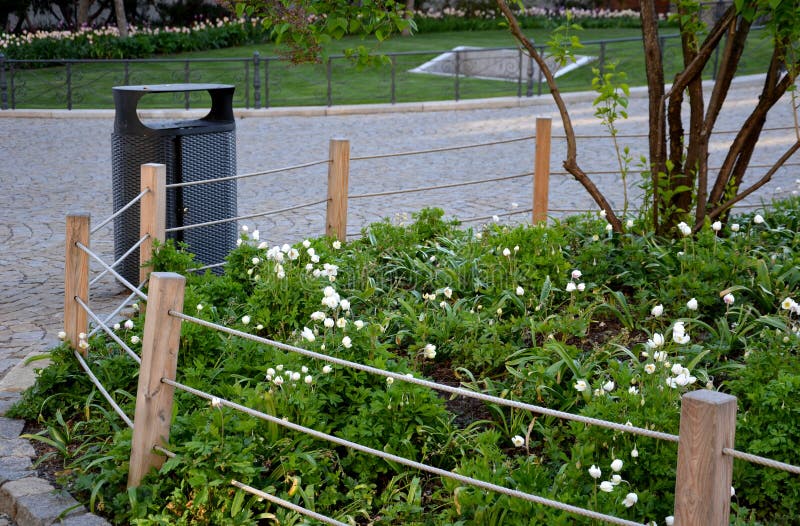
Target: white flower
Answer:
pixel 306 243
pixel 83 344
pixel 199 307
pixel 629 223
pixel 448 292
pixel 245 228
pixel 245 319
pixel 581 287
pixel 62 335
pixel 341 323
pixel 633 390
pixel 581 386
pixel 304 369
pixel 735 227
pixel 669 521
pixel 496 218
pixel 256 235
pixel 656 341
pixel 308 334
pixel 516 249
pixel 262 245
pixel 630 499
pixel 443 304
pixel 271 371
pixel 128 324
pixel 506 252
pixel 691 304
pixel 602 213
pixel 635 453
pixel 295 376
pixel 216 402
pixel 659 356
pixel 788 304
pixel 135 339
pixel 318 316
pixel 389 380
pixel 328 322
pixel 685 229
pixel 716 226
pixel 677 369
pixel 608 387
pixel 293 254
pixel 728 299
pixel 518 441
pixel 679 333
pixel 576 274
pixel 609 228
pixel 285 248
pixel 328 291
pixel 606 486
pixel 657 311
pixel 337 244
pixel 595 472
pixel 616 479
pixel 347 342
pixel 279 367
pixel 733 491
pixel 359 324
pixel 116 328
pixel 327 369
pixel 432 259
pixel 255 261
pixel 571 287
pixel 616 465
pixel 650 368
pixel 345 305
pixel 278 380
pixel 758 219
pixel 429 351
pixel 520 291
pixel 308 379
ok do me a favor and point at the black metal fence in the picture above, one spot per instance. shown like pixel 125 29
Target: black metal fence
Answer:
pixel 270 81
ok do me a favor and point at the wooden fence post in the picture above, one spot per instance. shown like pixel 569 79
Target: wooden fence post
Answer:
pixel 541 170
pixel 76 278
pixel 703 482
pixel 338 181
pixel 159 360
pixel 153 213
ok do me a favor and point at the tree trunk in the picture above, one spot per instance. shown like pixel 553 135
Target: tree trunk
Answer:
pixel 83 13
pixel 122 21
pixel 410 14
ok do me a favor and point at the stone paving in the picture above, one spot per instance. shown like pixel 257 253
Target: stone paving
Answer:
pixel 53 166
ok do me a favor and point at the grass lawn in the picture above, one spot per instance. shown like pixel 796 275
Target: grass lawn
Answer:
pixel 88 85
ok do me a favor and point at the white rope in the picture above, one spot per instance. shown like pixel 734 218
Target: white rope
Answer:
pixel 121 259
pixel 109 331
pixel 432 385
pixel 113 272
pixel 251 216
pixel 404 461
pixel 115 312
pixel 206 267
pixel 755 459
pixel 120 211
pixel 504 214
pixel 96 382
pixel 440 187
pixel 243 176
pixel 444 149
pixel 286 504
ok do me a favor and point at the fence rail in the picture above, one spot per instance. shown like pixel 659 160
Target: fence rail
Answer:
pixel 272 81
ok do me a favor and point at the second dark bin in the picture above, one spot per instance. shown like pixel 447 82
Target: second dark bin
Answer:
pixel 192 150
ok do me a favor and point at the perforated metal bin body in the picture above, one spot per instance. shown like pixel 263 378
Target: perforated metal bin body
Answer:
pixel 192 150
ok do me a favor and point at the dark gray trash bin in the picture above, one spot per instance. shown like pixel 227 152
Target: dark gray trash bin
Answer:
pixel 192 150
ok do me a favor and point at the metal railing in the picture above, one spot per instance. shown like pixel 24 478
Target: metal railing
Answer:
pixel 272 81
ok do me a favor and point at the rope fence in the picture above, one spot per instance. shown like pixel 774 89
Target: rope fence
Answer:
pixel 647 135
pixel 443 149
pixel 404 461
pixel 286 504
pixel 115 312
pixel 241 218
pixel 119 212
pixel 113 272
pixel 120 259
pixel 117 409
pixel 108 331
pixel 441 186
pixel 245 176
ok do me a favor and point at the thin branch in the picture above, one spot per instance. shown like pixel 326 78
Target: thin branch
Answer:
pixel 758 184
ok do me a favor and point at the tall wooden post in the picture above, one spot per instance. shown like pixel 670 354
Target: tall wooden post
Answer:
pixel 703 483
pixel 338 181
pixel 159 360
pixel 76 278
pixel 153 216
pixel 541 170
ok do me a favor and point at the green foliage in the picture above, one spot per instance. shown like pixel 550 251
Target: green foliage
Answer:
pixel 569 317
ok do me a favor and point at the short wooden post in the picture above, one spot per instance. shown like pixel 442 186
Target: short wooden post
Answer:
pixel 160 342
pixel 541 170
pixel 76 278
pixel 703 483
pixel 153 213
pixel 338 181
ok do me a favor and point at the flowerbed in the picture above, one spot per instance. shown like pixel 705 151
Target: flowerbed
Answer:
pixel 570 317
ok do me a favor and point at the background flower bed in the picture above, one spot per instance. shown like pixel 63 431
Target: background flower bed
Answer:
pixel 98 43
pixel 570 317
